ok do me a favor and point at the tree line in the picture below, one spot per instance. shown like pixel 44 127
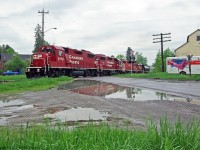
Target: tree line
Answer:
pixel 6 49
pixel 140 59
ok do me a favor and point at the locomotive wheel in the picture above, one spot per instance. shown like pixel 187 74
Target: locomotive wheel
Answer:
pixel 28 75
pixel 70 74
pixel 105 73
pixel 57 74
pixel 92 73
pixel 85 73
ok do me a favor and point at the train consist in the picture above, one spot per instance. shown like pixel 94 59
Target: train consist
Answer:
pixel 55 61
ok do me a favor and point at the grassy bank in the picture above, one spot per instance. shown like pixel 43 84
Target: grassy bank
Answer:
pixel 19 83
pixel 168 136
pixel 160 75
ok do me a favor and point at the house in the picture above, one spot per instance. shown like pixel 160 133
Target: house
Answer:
pixel 191 47
pixel 6 57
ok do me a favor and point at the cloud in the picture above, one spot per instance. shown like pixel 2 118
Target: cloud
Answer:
pixel 101 26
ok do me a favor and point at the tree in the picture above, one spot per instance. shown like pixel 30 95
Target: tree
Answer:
pixel 38 38
pixel 6 49
pixel 120 56
pixel 158 62
pixel 140 59
pixel 130 55
pixel 10 51
pixel 15 63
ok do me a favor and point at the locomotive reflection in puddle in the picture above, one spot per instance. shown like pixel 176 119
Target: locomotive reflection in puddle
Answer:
pixel 109 90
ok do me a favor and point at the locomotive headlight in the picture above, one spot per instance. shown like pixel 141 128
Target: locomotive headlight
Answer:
pixel 38 70
pixel 28 70
pixel 34 56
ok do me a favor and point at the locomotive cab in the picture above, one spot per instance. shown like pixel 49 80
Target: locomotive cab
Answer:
pixel 45 60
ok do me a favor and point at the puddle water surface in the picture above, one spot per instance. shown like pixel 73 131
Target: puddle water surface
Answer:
pixel 108 90
pixel 9 107
pixel 4 103
pixel 78 114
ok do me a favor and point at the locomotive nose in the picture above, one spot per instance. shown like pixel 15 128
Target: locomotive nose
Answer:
pixel 39 60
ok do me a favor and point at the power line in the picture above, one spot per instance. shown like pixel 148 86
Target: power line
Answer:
pixel 163 38
pixel 43 12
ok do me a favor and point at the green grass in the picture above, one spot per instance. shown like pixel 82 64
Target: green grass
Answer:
pixel 160 75
pixel 167 136
pixel 20 83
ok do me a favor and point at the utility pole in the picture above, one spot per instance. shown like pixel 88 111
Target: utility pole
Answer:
pixel 43 12
pixel 189 57
pixel 161 40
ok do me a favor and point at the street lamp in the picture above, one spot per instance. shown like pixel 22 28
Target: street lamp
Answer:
pixel 50 29
pixel 45 32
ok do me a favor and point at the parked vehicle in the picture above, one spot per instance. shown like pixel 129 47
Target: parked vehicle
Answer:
pixel 54 61
pixel 180 65
pixel 10 72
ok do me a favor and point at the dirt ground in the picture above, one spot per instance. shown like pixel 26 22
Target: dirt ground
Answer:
pixel 119 110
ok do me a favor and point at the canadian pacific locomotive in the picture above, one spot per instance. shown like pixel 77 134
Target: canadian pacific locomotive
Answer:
pixel 55 61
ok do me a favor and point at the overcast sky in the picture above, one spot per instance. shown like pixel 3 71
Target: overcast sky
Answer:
pixel 101 26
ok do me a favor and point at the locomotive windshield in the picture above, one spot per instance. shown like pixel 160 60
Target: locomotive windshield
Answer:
pixel 45 50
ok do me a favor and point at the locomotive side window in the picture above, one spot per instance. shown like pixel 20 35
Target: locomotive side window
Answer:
pixel 66 50
pixel 78 52
pixel 90 55
pixel 60 53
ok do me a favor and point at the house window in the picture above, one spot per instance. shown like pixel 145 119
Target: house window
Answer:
pixel 198 38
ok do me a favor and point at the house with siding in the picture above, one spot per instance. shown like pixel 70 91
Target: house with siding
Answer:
pixel 191 47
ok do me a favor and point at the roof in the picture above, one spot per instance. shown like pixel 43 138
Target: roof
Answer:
pixel 191 34
pixel 187 39
pixel 7 57
pixel 25 56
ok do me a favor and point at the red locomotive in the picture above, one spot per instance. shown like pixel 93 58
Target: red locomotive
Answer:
pixel 54 61
pixel 133 67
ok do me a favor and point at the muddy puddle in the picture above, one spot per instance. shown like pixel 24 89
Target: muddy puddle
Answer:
pixel 78 114
pixel 9 107
pixel 108 90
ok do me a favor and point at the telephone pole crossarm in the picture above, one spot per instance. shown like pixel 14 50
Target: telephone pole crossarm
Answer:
pixel 161 40
pixel 166 40
pixel 156 41
pixel 156 38
pixel 166 33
